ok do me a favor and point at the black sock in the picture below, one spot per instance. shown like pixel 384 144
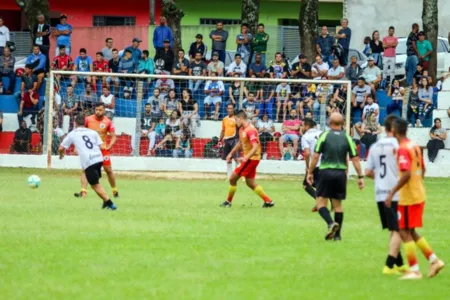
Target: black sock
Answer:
pixel 108 203
pixel 311 191
pixel 399 260
pixel 339 218
pixel 325 214
pixel 390 261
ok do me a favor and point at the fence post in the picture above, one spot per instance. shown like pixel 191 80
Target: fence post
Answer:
pixel 46 116
pixel 241 94
pixel 323 107
pixel 405 104
pixel 139 96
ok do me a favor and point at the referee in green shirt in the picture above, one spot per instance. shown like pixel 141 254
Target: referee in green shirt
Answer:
pixel 332 148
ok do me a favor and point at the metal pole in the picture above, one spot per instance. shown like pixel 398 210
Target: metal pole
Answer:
pixel 349 107
pixel 139 96
pixel 49 113
pixel 152 12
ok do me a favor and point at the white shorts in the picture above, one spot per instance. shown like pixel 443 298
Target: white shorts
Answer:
pixel 213 100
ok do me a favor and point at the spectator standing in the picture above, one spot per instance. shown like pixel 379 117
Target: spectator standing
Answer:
pixel 372 75
pixel 7 62
pixel 359 95
pixel 219 40
pixel 161 34
pixel 244 42
pixel 237 67
pixel 390 43
pixel 181 68
pixel 438 135
pixel 108 49
pixel 376 48
pixel 146 64
pixel 216 65
pixel 257 68
pixel 164 58
pixel 29 106
pixel 197 68
pixel 38 61
pixel 83 63
pixel 266 129
pixel 336 72
pixel 354 71
pixel 41 34
pixel 136 53
pixel 110 102
pixel 291 129
pixel 344 36
pixel 4 36
pixel 63 33
pixel 396 92
pixel 114 63
pixel 70 107
pixel 259 44
pixel 198 46
pixel 412 53
pixel 214 90
pixel 319 69
pixel 22 139
pixel 424 49
pixel 324 46
pixel 278 69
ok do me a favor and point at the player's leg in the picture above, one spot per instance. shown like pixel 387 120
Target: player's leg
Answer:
pixel 338 216
pixel 152 142
pixel 411 255
pixel 326 189
pixel 281 144
pixel 295 141
pixel 84 184
pixel 93 175
pixel 436 264
pixel 277 117
pixel 111 178
pixel 217 103
pixel 232 188
pixel 228 146
pixel 251 183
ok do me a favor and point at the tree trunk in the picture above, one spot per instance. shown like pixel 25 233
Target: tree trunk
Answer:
pixel 174 15
pixel 32 8
pixel 308 18
pixel 250 14
pixel 430 26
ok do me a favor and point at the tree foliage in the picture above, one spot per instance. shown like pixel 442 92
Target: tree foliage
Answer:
pixel 250 14
pixel 308 19
pixel 32 8
pixel 431 27
pixel 174 15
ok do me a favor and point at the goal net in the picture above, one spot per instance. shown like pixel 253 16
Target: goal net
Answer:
pixel 172 120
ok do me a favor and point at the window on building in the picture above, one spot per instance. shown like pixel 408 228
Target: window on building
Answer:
pixel 113 21
pixel 224 21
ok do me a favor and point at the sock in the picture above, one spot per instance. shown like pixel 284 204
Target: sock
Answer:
pixel 84 190
pixel 311 191
pixel 390 261
pixel 260 192
pixel 114 189
pixel 410 250
pixel 426 249
pixel 229 170
pixel 325 214
pixel 231 190
pixel 399 260
pixel 339 218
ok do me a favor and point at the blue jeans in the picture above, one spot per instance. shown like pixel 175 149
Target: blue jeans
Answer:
pixel 410 68
pixel 194 86
pixel 362 150
pixel 328 59
pixel 263 58
pixel 266 108
pixel 222 54
pixel 29 111
pixel 395 105
pixel 356 114
pixel 378 59
pixel 12 82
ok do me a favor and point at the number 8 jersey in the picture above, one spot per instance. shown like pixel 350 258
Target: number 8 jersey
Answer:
pixel 383 161
pixel 87 142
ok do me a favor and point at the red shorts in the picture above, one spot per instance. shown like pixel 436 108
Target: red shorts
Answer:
pixel 410 216
pixel 106 158
pixel 247 169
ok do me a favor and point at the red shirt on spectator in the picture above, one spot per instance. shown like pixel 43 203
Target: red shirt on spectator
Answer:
pixel 59 62
pixel 101 66
pixel 27 99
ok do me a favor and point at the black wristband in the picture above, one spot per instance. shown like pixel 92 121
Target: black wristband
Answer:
pixel 361 177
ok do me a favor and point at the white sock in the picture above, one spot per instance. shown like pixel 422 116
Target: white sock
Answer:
pixel 432 258
pixel 229 170
pixel 414 268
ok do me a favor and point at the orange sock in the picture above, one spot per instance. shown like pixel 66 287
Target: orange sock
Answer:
pixel 411 255
pixel 260 192
pixel 231 191
pixel 423 245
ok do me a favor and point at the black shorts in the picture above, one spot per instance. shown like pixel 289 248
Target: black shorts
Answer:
pixel 316 174
pixel 228 145
pixel 94 173
pixel 332 184
pixel 38 71
pixel 388 216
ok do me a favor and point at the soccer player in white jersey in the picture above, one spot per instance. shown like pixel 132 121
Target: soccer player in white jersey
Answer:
pixel 309 139
pixel 382 166
pixel 88 144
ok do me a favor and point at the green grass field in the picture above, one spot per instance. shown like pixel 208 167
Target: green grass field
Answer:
pixel 170 240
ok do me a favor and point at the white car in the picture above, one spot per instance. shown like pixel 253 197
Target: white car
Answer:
pixel 443 56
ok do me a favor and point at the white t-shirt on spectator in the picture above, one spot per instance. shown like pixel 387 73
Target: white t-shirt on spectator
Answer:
pixel 4 36
pixel 324 66
pixel 336 72
pixel 87 142
pixel 214 87
pixel 233 67
pixel 361 92
pixel 370 109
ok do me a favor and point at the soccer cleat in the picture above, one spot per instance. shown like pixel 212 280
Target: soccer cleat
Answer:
pixel 337 238
pixel 116 194
pixel 402 269
pixel 389 271
pixel 268 204
pixel 226 204
pixel 81 194
pixel 314 209
pixel 411 275
pixel 435 267
pixel 112 206
pixel 332 229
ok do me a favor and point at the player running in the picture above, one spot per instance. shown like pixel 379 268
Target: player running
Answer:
pixel 89 146
pixel 104 127
pixel 411 203
pixel 382 166
pixel 309 141
pixel 229 138
pixel 249 142
pixel 332 148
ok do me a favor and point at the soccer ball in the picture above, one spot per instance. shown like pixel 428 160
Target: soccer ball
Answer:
pixel 34 181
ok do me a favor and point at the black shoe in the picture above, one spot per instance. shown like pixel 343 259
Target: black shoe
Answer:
pixel 226 204
pixel 337 238
pixel 332 229
pixel 80 194
pixel 268 204
pixel 109 205
pixel 116 194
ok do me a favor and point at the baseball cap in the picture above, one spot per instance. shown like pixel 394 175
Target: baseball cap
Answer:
pixel 215 53
pixel 371 58
pixel 199 36
pixel 137 40
pixel 301 56
pixel 421 33
pixel 166 41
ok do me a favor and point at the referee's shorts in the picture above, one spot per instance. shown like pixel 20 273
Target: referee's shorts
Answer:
pixel 316 177
pixel 94 173
pixel 332 184
pixel 228 145
pixel 388 216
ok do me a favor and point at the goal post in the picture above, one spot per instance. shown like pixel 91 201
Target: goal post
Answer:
pixel 135 138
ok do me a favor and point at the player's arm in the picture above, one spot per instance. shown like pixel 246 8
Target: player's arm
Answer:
pixel 113 140
pixel 404 164
pixel 65 144
pixel 313 163
pixel 222 132
pixel 306 153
